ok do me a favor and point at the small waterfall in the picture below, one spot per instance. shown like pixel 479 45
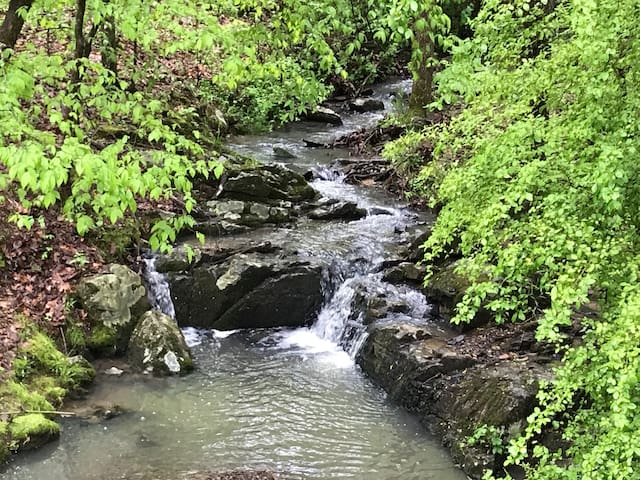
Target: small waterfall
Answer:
pixel 338 322
pixel 158 289
pixel 342 318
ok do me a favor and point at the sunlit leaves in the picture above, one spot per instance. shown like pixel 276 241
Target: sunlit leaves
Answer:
pixel 540 197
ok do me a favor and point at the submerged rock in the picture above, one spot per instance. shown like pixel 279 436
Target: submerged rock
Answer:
pixel 248 290
pixel 157 346
pixel 234 475
pixel 114 302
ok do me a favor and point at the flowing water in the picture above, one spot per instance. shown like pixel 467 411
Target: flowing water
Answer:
pixel 288 400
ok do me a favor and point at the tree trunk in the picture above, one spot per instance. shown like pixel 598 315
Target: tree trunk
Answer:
pixel 83 42
pixel 13 22
pixel 109 52
pixel 422 91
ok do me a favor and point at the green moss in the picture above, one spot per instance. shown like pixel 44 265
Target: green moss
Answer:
pixel 32 430
pixel 4 441
pixel 49 388
pixel 17 396
pixel 103 339
pixel 75 336
pixel 44 357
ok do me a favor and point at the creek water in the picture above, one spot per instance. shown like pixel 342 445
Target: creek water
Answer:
pixel 288 400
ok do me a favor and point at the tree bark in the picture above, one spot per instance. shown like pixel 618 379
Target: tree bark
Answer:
pixel 83 42
pixel 422 91
pixel 109 52
pixel 13 22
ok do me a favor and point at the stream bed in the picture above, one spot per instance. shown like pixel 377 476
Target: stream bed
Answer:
pixel 288 400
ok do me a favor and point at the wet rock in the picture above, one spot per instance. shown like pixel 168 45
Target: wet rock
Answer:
pixel 157 346
pixel 177 260
pixel 402 363
pixel 452 394
pixel 250 214
pixel 248 290
pixel 446 289
pixel 380 211
pixel 280 152
pixel 415 252
pixel 265 183
pixel 114 302
pixel 363 105
pixel 372 307
pixel 324 115
pixel 115 371
pixel 405 272
pixel 338 211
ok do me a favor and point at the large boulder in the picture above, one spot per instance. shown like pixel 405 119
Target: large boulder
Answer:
pixel 247 290
pixel 157 346
pixel 114 302
pixel 452 393
pixel 445 289
pixel 264 184
pixel 337 210
pixel 324 115
pixel 363 105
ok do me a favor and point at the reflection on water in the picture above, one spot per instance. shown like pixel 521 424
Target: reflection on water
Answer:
pixel 287 401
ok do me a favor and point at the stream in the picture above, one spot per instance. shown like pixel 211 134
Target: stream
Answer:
pixel 288 400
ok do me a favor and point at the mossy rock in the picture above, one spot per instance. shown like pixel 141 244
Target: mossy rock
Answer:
pixel 43 357
pixel 105 341
pixel 446 289
pixel 4 441
pixel 158 346
pixel 31 431
pixel 114 302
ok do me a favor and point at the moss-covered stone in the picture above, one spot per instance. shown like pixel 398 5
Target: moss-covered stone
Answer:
pixel 43 356
pixel 103 341
pixel 4 441
pixel 158 346
pixel 48 387
pixel 31 431
pixel 114 302
pixel 40 379
pixel 16 396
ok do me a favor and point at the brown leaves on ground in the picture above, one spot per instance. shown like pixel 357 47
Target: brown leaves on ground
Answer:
pixel 40 266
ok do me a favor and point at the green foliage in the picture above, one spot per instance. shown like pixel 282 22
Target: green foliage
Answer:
pixel 29 427
pixel 540 196
pixel 487 436
pixel 405 153
pixel 39 355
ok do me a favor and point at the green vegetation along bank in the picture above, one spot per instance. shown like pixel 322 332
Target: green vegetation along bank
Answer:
pixel 109 105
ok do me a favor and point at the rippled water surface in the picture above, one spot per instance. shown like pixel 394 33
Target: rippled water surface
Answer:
pixel 292 401
pixel 288 401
